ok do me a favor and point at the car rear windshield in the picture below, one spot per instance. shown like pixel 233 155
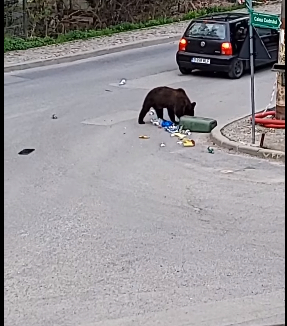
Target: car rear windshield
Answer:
pixel 210 30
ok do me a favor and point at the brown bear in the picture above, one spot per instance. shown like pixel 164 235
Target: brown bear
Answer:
pixel 174 100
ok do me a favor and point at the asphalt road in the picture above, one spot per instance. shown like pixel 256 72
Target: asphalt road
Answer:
pixel 103 228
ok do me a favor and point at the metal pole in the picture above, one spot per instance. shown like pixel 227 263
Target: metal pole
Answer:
pixel 251 52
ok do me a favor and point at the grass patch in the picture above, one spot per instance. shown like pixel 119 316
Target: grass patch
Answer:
pixel 18 43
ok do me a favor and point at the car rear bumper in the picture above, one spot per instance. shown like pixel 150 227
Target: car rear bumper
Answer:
pixel 217 62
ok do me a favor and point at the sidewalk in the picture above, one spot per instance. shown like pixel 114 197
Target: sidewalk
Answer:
pixel 68 52
pixel 240 131
pixel 236 136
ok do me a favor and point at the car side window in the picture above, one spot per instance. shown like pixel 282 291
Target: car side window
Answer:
pixel 239 30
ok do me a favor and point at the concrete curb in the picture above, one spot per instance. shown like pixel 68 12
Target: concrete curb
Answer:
pixel 222 141
pixel 90 54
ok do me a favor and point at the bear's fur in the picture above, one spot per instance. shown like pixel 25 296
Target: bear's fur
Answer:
pixel 174 100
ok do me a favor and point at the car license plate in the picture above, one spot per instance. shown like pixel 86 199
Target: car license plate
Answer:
pixel 200 60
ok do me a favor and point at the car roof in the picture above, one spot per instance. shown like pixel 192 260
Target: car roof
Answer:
pixel 228 17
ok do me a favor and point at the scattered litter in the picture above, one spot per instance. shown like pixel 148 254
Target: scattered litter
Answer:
pixel 226 171
pixel 26 151
pixel 144 137
pixel 123 81
pixel 210 150
pixel 108 90
pixel 179 135
pixel 166 124
pixel 54 116
pixel 155 122
pixel 188 142
pixel 152 112
pixel 171 129
pixel 174 130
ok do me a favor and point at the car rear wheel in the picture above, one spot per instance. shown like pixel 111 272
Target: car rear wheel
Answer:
pixel 236 69
pixel 185 71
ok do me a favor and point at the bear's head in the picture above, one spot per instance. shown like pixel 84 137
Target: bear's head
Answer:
pixel 185 102
pixel 189 109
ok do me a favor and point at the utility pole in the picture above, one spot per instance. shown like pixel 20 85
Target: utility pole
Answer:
pixel 280 94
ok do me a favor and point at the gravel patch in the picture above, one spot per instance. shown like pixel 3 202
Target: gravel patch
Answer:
pixel 240 131
pixel 78 47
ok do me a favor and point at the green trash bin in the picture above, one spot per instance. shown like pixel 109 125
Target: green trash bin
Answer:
pixel 197 124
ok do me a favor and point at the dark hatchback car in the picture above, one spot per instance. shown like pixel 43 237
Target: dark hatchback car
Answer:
pixel 220 43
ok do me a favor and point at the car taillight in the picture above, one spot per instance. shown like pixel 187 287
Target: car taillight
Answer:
pixel 226 48
pixel 182 44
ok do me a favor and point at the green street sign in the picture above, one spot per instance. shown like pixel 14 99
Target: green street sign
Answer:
pixel 259 19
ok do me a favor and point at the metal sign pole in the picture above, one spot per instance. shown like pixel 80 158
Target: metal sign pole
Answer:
pixel 251 53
